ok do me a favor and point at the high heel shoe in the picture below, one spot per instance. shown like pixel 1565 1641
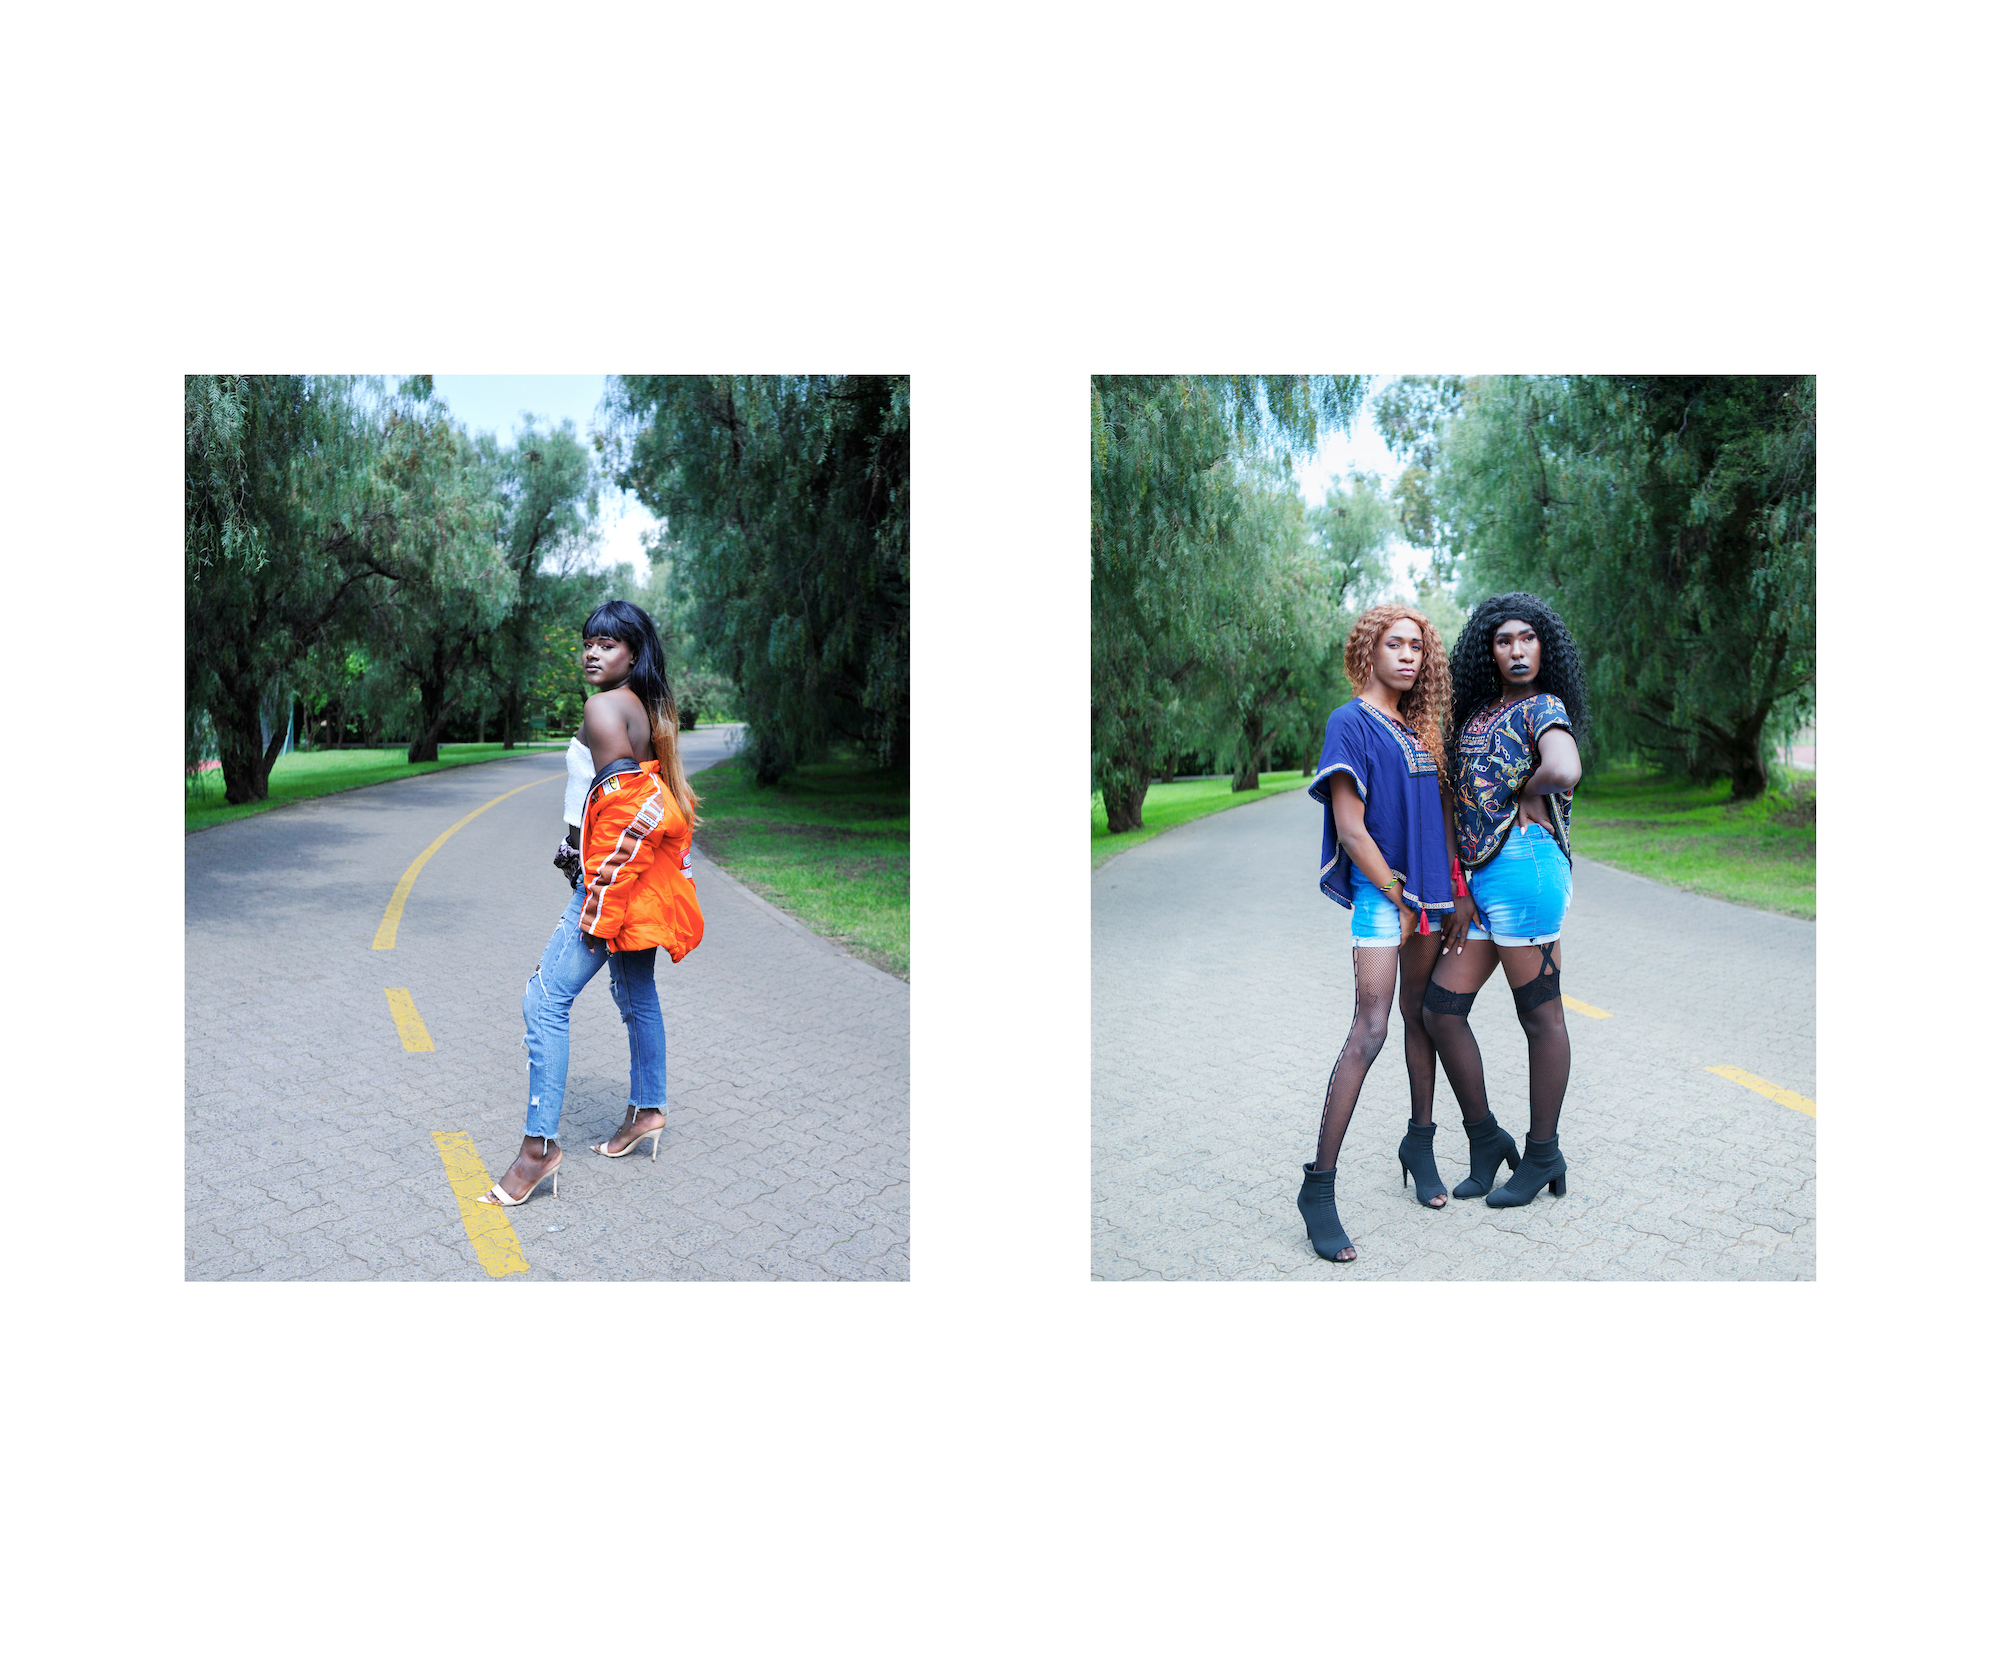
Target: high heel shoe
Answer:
pixel 1322 1216
pixel 1544 1166
pixel 603 1147
pixel 1415 1157
pixel 1490 1145
pixel 495 1195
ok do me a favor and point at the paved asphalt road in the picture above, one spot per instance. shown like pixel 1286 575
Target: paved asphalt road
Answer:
pixel 1222 987
pixel 311 1149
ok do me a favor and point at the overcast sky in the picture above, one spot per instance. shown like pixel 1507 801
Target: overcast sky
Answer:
pixel 496 404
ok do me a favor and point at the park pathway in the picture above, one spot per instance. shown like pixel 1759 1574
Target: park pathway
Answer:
pixel 335 1130
pixel 1222 988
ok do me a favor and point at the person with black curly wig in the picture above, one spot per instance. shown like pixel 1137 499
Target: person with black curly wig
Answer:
pixel 1518 710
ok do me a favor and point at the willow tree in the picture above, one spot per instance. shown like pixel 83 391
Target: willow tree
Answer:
pixel 283 520
pixel 787 508
pixel 546 483
pixel 1272 667
pixel 444 584
pixel 1671 520
pixel 1164 504
pixel 1413 414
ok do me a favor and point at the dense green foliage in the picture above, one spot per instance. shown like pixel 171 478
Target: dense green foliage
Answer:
pixel 1212 595
pixel 355 561
pixel 786 508
pixel 283 521
pixel 1670 520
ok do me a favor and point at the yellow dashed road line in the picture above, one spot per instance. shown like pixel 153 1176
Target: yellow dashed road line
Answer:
pixel 486 1225
pixel 1584 1008
pixel 385 934
pixel 1770 1090
pixel 409 1023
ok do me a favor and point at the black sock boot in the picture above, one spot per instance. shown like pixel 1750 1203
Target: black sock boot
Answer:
pixel 1322 1216
pixel 1415 1157
pixel 1491 1144
pixel 1542 1167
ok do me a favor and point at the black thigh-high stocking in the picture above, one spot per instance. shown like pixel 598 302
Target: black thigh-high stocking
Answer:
pixel 1533 974
pixel 1374 990
pixel 1416 958
pixel 1446 1003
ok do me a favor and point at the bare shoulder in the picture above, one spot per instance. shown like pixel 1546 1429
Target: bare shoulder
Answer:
pixel 604 727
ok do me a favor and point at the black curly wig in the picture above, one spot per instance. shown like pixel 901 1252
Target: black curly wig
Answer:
pixel 1475 679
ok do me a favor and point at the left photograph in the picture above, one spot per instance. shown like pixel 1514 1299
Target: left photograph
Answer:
pixel 547 827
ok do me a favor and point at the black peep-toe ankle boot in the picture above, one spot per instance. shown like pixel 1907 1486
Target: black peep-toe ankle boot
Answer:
pixel 1322 1216
pixel 1490 1145
pixel 1542 1167
pixel 1415 1157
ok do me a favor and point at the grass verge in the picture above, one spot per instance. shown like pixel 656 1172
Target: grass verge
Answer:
pixel 1762 853
pixel 830 845
pixel 1169 804
pixel 312 775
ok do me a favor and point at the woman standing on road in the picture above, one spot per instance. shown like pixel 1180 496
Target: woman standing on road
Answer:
pixel 1385 856
pixel 1518 710
pixel 631 817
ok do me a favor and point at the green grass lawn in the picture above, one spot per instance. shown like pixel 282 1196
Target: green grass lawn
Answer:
pixel 1169 804
pixel 311 775
pixel 830 845
pixel 1761 853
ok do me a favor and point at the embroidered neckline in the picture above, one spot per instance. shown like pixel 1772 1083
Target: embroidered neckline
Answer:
pixel 1416 756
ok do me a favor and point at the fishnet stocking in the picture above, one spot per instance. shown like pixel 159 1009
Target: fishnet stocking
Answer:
pixel 1532 971
pixel 1375 975
pixel 1538 1001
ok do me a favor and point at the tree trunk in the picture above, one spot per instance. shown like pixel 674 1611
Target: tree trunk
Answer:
pixel 1747 779
pixel 1256 744
pixel 246 758
pixel 510 718
pixel 1125 795
pixel 432 710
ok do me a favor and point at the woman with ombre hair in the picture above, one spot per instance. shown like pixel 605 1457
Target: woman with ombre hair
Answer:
pixel 629 858
pixel 1385 857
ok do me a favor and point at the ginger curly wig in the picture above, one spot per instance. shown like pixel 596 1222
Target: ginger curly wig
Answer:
pixel 1426 705
pixel 1475 679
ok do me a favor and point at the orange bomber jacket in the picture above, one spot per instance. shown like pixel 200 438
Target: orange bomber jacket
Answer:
pixel 638 863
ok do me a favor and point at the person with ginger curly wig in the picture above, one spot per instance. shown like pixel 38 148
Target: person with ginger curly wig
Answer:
pixel 1513 765
pixel 1385 856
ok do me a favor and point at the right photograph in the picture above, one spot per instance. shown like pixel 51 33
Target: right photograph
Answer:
pixel 1453 760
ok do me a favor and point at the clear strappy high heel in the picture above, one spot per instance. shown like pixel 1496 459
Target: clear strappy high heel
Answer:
pixel 604 1149
pixel 494 1194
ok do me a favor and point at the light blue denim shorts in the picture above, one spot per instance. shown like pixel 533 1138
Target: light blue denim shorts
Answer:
pixel 1375 925
pixel 1523 893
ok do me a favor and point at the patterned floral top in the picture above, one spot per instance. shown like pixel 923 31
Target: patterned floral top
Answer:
pixel 1398 782
pixel 1497 750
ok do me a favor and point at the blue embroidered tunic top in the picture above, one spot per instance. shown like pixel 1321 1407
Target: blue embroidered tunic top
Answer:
pixel 1398 782
pixel 1497 750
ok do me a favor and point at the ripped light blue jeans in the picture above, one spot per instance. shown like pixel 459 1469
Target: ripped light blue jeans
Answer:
pixel 566 966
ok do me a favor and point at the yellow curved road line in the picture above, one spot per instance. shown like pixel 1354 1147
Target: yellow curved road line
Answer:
pixel 493 1238
pixel 1770 1090
pixel 385 934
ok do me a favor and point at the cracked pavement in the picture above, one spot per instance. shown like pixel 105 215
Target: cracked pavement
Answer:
pixel 309 1150
pixel 1222 987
